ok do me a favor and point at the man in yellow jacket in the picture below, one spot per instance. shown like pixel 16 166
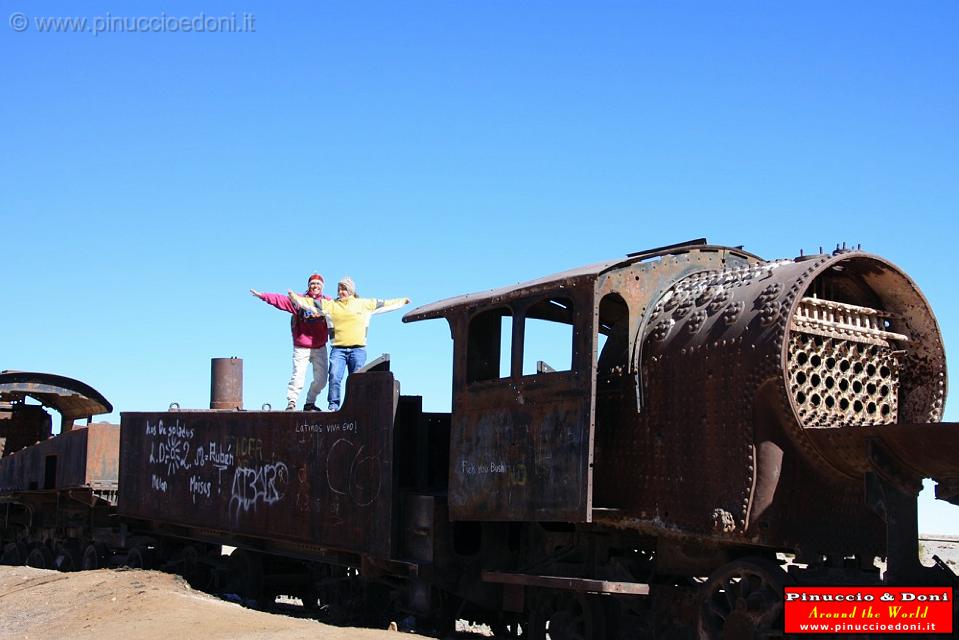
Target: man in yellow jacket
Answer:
pixel 350 320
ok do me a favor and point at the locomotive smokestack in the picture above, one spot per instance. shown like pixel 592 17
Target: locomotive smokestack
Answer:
pixel 226 383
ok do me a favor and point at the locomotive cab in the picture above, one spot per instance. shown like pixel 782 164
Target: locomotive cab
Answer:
pixel 523 428
pixel 521 425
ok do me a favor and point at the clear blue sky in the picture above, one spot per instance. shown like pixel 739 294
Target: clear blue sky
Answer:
pixel 148 180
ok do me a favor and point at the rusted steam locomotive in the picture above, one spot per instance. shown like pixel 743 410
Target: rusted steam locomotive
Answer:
pixel 712 411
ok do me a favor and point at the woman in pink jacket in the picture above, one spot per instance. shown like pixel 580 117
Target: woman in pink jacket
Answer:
pixel 309 343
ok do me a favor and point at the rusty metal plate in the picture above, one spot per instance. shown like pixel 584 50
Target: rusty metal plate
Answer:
pixel 85 457
pixel 103 455
pixel 520 451
pixel 671 447
pixel 24 425
pixel 305 477
pixel 919 450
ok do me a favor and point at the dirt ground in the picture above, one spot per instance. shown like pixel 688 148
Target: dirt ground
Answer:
pixel 143 605
pixel 124 604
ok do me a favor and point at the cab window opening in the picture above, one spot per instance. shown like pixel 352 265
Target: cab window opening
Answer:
pixel 548 336
pixel 612 335
pixel 489 344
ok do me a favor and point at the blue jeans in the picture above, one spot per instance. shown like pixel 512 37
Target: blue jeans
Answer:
pixel 343 358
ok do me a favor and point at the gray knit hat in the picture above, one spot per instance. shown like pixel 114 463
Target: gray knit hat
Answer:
pixel 347 282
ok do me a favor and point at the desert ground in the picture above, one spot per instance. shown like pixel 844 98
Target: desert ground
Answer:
pixel 126 604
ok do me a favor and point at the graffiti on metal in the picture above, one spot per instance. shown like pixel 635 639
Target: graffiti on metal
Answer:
pixel 297 475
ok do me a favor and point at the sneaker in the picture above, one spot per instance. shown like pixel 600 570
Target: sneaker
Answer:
pixel 333 407
pixel 291 405
pixel 309 406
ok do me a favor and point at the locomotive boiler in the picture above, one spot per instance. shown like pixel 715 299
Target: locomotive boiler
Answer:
pixel 651 446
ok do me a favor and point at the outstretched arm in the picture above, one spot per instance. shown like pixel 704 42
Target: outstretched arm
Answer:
pixel 382 306
pixel 278 300
pixel 308 305
pixel 300 302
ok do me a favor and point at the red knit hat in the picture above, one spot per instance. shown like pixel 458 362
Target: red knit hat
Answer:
pixel 315 277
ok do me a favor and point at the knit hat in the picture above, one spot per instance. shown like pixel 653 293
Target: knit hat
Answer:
pixel 315 277
pixel 347 282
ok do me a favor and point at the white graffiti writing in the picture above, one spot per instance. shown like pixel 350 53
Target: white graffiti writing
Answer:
pixel 353 472
pixel 337 427
pixel 173 453
pixel 176 429
pixel 199 487
pixel 218 456
pixel 516 472
pixel 158 484
pixel 253 485
pixel 472 469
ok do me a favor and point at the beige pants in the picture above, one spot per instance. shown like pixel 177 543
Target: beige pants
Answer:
pixel 320 361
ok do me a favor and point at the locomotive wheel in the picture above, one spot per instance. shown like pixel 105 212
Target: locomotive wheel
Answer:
pixel 14 553
pixel 189 563
pixel 742 600
pixel 94 557
pixel 245 576
pixel 310 599
pixel 40 557
pixel 564 615
pixel 339 593
pixel 140 557
pixel 68 558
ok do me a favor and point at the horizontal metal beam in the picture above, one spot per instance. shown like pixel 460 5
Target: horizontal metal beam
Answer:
pixel 568 583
